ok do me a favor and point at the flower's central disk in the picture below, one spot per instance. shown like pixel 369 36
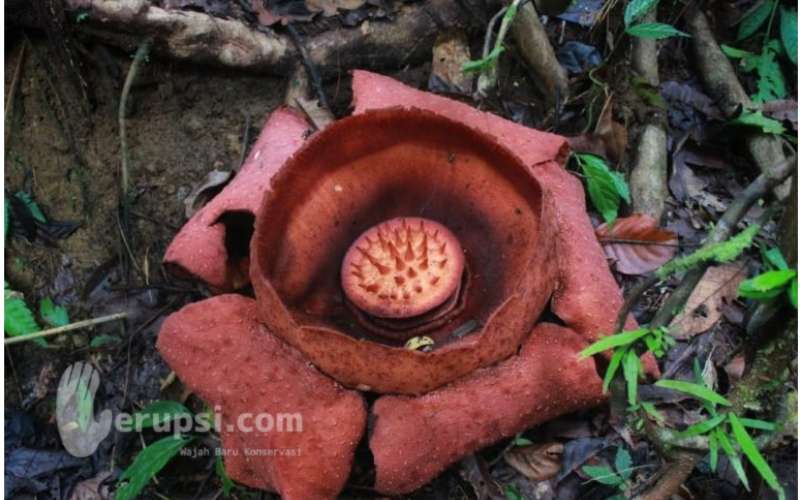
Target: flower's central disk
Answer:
pixel 402 268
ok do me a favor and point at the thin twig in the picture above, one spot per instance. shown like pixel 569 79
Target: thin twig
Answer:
pixel 123 217
pixel 66 328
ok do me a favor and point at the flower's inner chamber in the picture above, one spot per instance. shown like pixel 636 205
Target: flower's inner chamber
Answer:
pixel 404 276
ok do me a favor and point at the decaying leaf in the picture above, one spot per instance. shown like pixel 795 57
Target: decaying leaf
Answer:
pixel 450 53
pixel 704 307
pixel 636 244
pixel 331 7
pixel 608 140
pixel 202 194
pixel 538 462
pixel 686 185
pixel 96 488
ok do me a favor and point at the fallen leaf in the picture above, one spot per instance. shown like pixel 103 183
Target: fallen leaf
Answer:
pixel 735 368
pixel 613 134
pixel 685 93
pixel 96 488
pixel 686 185
pixel 281 12
pixel 330 8
pixel 538 462
pixel 703 309
pixel 636 244
pixel 318 115
pixel 202 194
pixel 609 139
pixel 450 53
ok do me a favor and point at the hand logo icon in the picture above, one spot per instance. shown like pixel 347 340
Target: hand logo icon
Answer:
pixel 80 432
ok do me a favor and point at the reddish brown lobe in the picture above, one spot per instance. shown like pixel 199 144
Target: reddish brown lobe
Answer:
pixel 220 352
pixel 414 439
pixel 199 249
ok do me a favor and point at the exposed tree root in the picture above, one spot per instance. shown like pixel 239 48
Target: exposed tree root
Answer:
pixel 535 48
pixel 649 174
pixel 199 37
pixel 722 83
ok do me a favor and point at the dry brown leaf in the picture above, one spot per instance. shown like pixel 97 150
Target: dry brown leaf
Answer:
pixel 450 52
pixel 718 285
pixel 608 140
pixel 537 462
pixel 613 134
pixel 735 368
pixel 331 7
pixel 92 489
pixel 636 245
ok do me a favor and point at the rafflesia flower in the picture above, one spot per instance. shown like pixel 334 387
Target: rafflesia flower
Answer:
pixel 417 216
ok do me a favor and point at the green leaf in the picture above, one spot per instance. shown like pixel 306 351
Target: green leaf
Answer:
pixel 613 366
pixel 696 390
pixel 102 340
pixel 484 63
pixel 755 19
pixel 227 484
pixel 33 208
pixel 631 368
pixel 758 120
pixel 147 464
pixel 610 341
pixel 789 33
pixel 735 53
pixel 724 251
pixel 512 493
pixel 602 474
pixel 766 285
pixel 702 427
pixel 733 457
pixel 775 257
pixel 521 441
pixel 755 423
pixel 655 31
pixel 158 413
pixel 623 462
pixel 650 408
pixel 605 189
pixel 52 314
pixel 792 292
pixel 713 451
pixel 638 8
pixel 18 319
pixel 750 450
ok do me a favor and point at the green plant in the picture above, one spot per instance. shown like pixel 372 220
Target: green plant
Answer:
pixel 724 429
pixel 635 10
pixel 147 464
pixel 489 60
pixel 776 280
pixel 770 83
pixel 606 187
pixel 627 347
pixel 618 477
pixel 19 319
pixel 724 251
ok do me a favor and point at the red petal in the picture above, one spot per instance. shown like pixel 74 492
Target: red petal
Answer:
pixel 414 439
pixel 199 248
pixel 220 352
